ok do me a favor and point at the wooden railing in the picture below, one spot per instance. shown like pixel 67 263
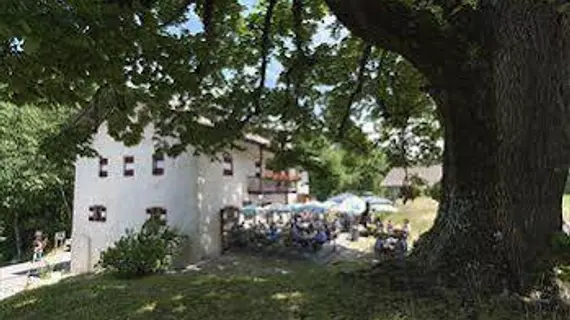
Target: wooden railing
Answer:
pixel 258 185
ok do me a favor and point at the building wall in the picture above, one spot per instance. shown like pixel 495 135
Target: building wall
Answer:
pixel 216 191
pixel 193 190
pixel 127 198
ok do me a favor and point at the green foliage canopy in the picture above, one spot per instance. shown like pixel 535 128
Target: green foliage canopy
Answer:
pixel 35 192
pixel 139 63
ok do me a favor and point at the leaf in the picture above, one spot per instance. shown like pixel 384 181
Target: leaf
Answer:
pixel 31 45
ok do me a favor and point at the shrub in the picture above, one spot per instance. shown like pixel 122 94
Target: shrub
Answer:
pixel 412 188
pixel 561 247
pixel 142 253
pixel 435 192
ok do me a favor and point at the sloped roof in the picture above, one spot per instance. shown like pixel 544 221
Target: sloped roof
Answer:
pixel 94 115
pixel 250 137
pixel 395 178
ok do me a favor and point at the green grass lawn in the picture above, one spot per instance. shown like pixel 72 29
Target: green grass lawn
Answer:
pixel 244 287
pixel 421 213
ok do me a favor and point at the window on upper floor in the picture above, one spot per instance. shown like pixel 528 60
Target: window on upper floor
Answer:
pixel 158 164
pixel 156 213
pixel 228 164
pixel 103 162
pixel 258 168
pixel 97 213
pixel 128 169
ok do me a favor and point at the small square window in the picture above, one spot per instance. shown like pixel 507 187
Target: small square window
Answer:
pixel 103 162
pixel 156 213
pixel 228 164
pixel 127 168
pixel 258 169
pixel 98 213
pixel 158 164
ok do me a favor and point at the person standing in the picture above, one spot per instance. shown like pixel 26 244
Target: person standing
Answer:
pixel 39 246
pixel 364 218
pixel 389 227
pixel 407 228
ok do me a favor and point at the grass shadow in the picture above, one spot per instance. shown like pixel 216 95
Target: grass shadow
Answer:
pixel 307 291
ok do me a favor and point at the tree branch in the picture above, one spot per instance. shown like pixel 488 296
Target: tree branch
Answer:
pixel 396 26
pixel 366 52
pixel 179 12
pixel 209 19
pixel 265 46
pixel 297 11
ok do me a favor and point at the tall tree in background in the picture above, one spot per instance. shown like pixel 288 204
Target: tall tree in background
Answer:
pixel 332 168
pixel 36 194
pixel 497 71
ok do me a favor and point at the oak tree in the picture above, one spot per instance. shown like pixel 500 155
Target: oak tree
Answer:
pixel 497 70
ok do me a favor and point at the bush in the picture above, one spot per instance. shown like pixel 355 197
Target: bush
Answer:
pixel 138 254
pixel 435 192
pixel 561 247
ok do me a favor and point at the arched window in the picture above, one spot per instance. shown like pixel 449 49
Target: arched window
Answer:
pixel 156 212
pixel 228 164
pixel 97 213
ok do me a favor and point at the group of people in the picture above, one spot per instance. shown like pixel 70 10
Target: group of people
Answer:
pixel 391 241
pixel 309 232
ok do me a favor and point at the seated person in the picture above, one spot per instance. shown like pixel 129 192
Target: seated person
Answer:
pixel 379 245
pixel 321 236
pixel 273 232
pixel 389 227
pixel 329 231
pixel 337 224
pixel 407 228
pixel 297 235
pixel 379 225
pixel 400 241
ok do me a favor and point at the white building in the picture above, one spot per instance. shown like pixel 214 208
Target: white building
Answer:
pixel 127 184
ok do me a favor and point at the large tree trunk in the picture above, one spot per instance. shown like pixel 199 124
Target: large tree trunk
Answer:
pixel 501 78
pixel 503 115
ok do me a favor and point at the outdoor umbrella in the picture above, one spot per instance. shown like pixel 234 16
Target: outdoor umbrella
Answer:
pixel 377 200
pixel 330 204
pixel 338 199
pixel 315 207
pixel 352 205
pixel 383 208
pixel 294 207
pixel 276 207
pixel 251 210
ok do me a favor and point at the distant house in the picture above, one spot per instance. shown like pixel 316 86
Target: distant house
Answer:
pixel 394 181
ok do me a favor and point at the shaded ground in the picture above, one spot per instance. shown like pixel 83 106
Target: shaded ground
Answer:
pixel 566 207
pixel 245 287
pixel 241 286
pixel 14 278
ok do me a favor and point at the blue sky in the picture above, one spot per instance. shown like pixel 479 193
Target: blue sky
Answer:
pixel 274 68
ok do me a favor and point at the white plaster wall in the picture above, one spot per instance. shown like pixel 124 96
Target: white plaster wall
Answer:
pixel 303 184
pixel 216 191
pixel 193 189
pixel 127 198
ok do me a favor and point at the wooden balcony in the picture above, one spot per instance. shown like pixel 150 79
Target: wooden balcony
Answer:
pixel 257 185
